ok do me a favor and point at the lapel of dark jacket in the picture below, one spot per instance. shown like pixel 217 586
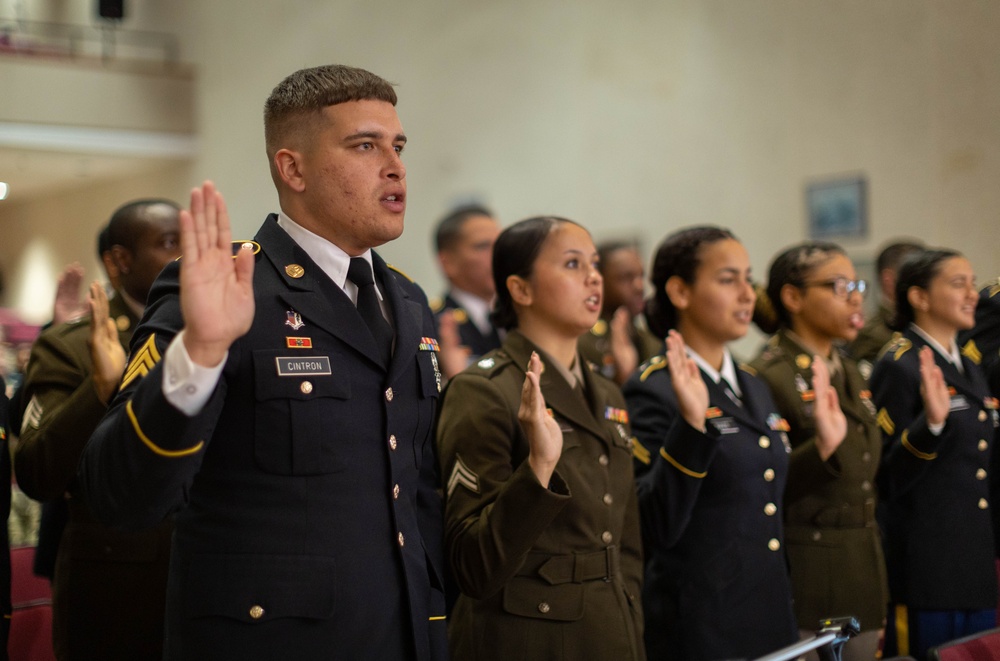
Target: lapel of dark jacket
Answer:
pixel 407 316
pixel 754 411
pixel 470 331
pixel 968 384
pixel 314 295
pixel 558 394
pixel 717 398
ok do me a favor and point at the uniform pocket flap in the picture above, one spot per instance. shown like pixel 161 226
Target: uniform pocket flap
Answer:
pixel 529 597
pixel 283 375
pixel 258 588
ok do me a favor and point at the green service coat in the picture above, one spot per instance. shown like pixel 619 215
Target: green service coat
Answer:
pixel 833 542
pixel 109 589
pixel 550 573
pixel 595 346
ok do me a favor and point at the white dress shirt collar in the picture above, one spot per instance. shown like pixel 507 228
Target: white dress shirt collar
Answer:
pixel 952 355
pixel 477 309
pixel 728 371
pixel 333 261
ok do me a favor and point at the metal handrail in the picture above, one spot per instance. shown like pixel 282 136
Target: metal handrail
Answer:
pixel 46 38
pixel 828 641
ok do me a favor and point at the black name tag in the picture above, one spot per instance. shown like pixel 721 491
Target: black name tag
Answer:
pixel 303 366
pixel 725 425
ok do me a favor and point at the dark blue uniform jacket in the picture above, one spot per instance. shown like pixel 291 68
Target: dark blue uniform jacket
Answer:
pixel 308 522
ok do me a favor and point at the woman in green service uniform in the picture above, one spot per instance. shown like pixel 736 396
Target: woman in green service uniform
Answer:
pixel 542 526
pixel 834 549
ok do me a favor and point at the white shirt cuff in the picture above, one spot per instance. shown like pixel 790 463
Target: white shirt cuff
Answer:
pixel 187 385
pixel 935 430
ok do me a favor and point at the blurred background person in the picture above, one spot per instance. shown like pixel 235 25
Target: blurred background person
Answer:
pixel 109 586
pixel 619 341
pixel 5 493
pixel 831 535
pixel 541 523
pixel 876 332
pixel 982 343
pixel 464 242
pixel 711 463
pixel 939 424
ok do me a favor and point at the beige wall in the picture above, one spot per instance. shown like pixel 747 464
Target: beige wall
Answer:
pixel 635 117
pixel 41 237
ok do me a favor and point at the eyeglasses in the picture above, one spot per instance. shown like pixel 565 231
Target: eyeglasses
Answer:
pixel 842 287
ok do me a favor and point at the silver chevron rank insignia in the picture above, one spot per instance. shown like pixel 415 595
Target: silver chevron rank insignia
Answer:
pixel 462 475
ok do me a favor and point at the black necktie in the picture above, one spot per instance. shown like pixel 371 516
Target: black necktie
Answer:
pixel 360 273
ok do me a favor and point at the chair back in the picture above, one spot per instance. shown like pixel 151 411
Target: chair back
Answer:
pixel 31 617
pixel 982 646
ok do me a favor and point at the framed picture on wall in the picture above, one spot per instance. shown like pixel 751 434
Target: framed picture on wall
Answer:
pixel 838 208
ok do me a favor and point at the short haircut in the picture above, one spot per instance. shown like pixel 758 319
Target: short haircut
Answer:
pixel 917 270
pixel 449 228
pixel 127 221
pixel 514 253
pixel 679 254
pixel 103 241
pixel 893 254
pixel 302 96
pixel 793 266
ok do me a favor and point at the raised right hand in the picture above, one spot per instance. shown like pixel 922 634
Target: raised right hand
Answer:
pixel 691 391
pixel 933 389
pixel 545 438
pixel 67 305
pixel 454 357
pixel 831 423
pixel 625 355
pixel 216 290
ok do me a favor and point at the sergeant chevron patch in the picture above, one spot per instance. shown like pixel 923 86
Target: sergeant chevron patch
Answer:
pixel 32 415
pixel 144 360
pixel 462 475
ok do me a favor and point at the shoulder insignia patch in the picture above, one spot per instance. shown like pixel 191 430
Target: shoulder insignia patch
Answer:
pixel 144 360
pixel 654 363
pixel 971 351
pixel 462 475
pixel 897 347
pixel 32 415
pixel 399 272
pixel 486 363
pixel 640 452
